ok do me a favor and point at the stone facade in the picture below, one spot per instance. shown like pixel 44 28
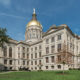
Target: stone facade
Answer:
pixel 40 49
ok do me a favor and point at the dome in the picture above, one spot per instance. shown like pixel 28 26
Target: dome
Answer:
pixel 34 21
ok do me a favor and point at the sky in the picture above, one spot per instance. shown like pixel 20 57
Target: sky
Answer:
pixel 15 14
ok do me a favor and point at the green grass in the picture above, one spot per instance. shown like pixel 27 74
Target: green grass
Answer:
pixel 45 75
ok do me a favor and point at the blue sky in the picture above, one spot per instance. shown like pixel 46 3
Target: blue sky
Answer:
pixel 15 14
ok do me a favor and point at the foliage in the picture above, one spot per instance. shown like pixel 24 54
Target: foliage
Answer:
pixel 3 36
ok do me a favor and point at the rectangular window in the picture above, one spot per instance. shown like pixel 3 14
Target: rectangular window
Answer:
pixel 31 62
pixel 18 62
pixel 27 49
pixel 27 56
pixel 52 39
pixel 59 37
pixel 52 49
pixel 10 62
pixel 35 62
pixel 40 62
pixel 47 50
pixel 23 62
pixel 5 61
pixel 35 55
pixel 27 62
pixel 39 54
pixel 23 55
pixel 59 58
pixel 46 67
pixel 35 48
pixel 59 47
pixel 23 48
pixel 40 47
pixel 31 49
pixel 47 41
pixel 31 56
pixel 52 59
pixel 18 55
pixel 18 49
pixel 47 60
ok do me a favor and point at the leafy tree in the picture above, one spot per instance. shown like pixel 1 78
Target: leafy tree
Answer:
pixel 4 38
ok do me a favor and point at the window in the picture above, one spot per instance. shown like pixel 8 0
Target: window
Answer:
pixel 5 51
pixel 23 62
pixel 47 50
pixel 40 47
pixel 52 49
pixel 18 48
pixel 35 62
pixel 39 54
pixel 27 62
pixel 27 56
pixel 10 52
pixel 35 48
pixel 59 58
pixel 47 41
pixel 10 68
pixel 18 62
pixel 23 55
pixel 46 67
pixel 52 39
pixel 18 55
pixel 5 61
pixel 59 47
pixel 52 58
pixel 27 49
pixel 35 68
pixel 47 60
pixel 35 55
pixel 59 37
pixel 31 62
pixel 10 62
pixel 31 56
pixel 31 68
pixel 52 67
pixel 59 66
pixel 23 48
pixel 40 62
pixel 31 49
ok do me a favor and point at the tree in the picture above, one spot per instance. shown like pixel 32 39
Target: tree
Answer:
pixel 4 38
pixel 65 57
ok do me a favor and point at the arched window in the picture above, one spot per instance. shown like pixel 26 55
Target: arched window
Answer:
pixel 10 52
pixel 5 51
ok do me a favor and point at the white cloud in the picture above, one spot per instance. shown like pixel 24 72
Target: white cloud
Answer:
pixel 5 2
pixel 10 15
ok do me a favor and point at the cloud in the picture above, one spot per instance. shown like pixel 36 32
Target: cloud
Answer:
pixel 10 15
pixel 5 2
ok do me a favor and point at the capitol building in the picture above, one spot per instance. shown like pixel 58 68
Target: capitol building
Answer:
pixel 42 50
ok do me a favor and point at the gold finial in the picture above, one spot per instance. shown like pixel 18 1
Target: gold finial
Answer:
pixel 34 11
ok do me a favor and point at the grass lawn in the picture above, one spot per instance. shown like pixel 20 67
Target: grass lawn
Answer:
pixel 45 75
